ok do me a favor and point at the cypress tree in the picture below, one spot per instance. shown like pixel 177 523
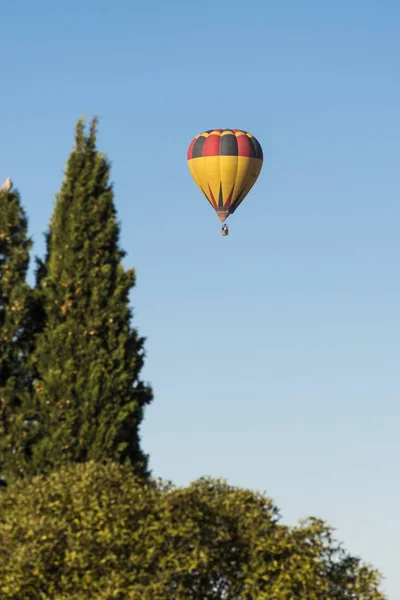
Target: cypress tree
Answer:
pixel 17 328
pixel 88 392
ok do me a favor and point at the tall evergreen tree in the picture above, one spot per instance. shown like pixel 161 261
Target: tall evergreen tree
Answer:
pixel 88 358
pixel 17 328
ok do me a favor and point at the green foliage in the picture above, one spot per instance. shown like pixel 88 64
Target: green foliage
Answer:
pixel 17 309
pixel 96 532
pixel 88 399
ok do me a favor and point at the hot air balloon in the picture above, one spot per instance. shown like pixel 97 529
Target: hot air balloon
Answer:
pixel 225 164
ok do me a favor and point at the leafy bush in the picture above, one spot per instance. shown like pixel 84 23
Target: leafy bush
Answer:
pixel 94 531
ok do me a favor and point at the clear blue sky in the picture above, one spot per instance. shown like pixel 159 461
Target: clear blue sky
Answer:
pixel 273 353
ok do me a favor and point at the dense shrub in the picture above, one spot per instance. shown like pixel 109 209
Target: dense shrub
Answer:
pixel 95 532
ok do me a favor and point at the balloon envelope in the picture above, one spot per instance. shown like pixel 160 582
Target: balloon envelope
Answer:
pixel 225 164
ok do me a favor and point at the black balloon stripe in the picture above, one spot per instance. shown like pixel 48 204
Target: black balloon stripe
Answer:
pixel 197 151
pixel 229 145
